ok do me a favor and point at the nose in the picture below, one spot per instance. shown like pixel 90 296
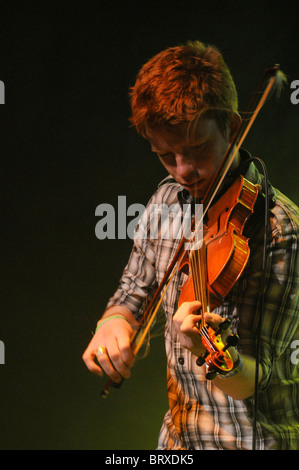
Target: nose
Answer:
pixel 184 165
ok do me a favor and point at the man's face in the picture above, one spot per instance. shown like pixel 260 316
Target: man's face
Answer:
pixel 192 164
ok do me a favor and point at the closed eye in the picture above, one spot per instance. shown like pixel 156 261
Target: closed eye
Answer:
pixel 199 146
pixel 164 155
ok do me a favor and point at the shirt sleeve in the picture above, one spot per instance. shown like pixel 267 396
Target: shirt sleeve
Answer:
pixel 280 316
pixel 153 248
pixel 280 322
pixel 138 278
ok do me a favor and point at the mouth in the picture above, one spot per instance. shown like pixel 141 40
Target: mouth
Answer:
pixel 193 185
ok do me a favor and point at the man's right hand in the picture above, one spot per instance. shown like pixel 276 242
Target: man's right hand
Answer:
pixel 110 349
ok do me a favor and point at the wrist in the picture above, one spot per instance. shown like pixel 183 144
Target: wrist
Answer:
pixel 111 317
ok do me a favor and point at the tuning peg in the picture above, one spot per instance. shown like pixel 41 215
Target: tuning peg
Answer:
pixel 201 359
pixel 231 340
pixel 223 326
pixel 211 374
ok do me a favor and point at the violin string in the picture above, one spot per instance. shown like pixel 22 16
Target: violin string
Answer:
pixel 198 269
pixel 204 332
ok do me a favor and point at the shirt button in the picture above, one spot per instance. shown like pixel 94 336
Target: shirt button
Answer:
pixel 181 360
pixel 188 406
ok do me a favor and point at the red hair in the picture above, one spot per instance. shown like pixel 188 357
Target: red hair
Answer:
pixel 179 84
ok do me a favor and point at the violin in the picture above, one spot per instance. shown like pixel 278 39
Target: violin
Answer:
pixel 215 266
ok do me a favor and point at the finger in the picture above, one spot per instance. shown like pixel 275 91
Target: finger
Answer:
pixel 111 362
pixel 185 309
pixel 125 349
pixel 192 306
pixel 190 323
pixel 106 365
pixel 119 355
pixel 213 319
pixel 189 307
pixel 89 359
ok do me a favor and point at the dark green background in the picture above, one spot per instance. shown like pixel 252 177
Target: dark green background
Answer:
pixel 66 148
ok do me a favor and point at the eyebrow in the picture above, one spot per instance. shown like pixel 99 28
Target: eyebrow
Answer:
pixel 199 141
pixel 162 153
pixel 155 150
pixel 195 143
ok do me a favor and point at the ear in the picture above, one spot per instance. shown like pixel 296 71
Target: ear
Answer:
pixel 235 122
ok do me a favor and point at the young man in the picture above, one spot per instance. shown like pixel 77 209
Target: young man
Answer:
pixel 184 103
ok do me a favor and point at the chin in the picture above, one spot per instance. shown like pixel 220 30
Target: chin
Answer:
pixel 197 194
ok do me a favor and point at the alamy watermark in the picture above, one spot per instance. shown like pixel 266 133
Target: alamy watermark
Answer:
pixel 2 353
pixel 2 92
pixel 295 353
pixel 156 221
pixel 295 94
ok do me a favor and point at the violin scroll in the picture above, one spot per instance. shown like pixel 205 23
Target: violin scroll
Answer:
pixel 217 357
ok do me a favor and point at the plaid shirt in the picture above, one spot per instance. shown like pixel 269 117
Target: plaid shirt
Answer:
pixel 200 415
